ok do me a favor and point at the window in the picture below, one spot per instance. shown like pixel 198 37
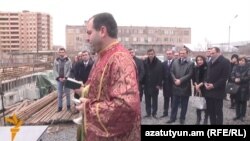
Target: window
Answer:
pixel 165 32
pixel 4 28
pixel 13 14
pixel 13 23
pixel 161 32
pixel 14 41
pixel 171 32
pixel 179 40
pixel 142 39
pixel 158 39
pixel 186 33
pixel 14 46
pixel 150 31
pixel 14 32
pixel 149 39
pixel 4 19
pixel 13 18
pixel 134 39
pixel 14 27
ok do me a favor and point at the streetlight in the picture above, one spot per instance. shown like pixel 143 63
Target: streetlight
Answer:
pixel 229 31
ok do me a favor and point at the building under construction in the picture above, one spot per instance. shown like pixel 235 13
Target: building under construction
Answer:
pixel 26 82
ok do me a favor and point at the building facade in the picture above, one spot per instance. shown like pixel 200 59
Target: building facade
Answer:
pixel 25 31
pixel 138 37
pixel 76 38
pixel 158 38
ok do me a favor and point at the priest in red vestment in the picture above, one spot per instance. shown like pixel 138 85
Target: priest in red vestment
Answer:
pixel 110 98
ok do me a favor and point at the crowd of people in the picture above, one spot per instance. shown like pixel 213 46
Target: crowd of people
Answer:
pixel 206 76
pixel 114 84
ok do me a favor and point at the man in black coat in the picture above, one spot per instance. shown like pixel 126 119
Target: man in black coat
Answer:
pixel 181 73
pixel 140 71
pixel 152 82
pixel 86 66
pixel 82 68
pixel 217 75
pixel 167 81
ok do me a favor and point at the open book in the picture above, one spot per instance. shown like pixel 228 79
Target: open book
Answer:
pixel 72 83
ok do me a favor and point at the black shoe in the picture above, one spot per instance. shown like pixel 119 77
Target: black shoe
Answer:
pixel 163 116
pixel 182 121
pixel 236 118
pixel 242 119
pixel 147 116
pixel 68 108
pixel 59 109
pixel 154 116
pixel 197 123
pixel 205 122
pixel 170 121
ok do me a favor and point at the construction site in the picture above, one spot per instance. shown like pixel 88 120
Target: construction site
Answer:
pixel 28 89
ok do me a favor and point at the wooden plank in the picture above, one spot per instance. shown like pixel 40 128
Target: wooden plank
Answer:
pixel 40 114
pixel 28 111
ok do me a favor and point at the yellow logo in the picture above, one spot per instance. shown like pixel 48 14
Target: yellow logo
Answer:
pixel 16 122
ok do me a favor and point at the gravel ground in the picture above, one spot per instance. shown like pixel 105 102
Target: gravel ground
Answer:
pixel 67 132
pixel 229 114
pixel 60 132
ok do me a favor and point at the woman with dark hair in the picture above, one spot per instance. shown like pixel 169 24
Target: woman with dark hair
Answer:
pixel 234 61
pixel 199 75
pixel 241 76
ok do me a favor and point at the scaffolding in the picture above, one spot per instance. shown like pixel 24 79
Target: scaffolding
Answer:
pixel 16 64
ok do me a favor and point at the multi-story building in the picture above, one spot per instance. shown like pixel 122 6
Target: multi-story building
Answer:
pixel 75 38
pixel 25 31
pixel 158 38
pixel 137 37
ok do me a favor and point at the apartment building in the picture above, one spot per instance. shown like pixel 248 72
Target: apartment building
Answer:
pixel 25 31
pixel 138 37
pixel 75 38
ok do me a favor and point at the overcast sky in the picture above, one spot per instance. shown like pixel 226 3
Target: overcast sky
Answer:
pixel 208 19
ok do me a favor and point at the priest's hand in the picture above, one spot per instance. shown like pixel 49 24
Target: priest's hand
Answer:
pixel 81 106
pixel 78 91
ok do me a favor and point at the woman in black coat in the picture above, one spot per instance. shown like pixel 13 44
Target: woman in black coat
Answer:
pixel 199 75
pixel 241 76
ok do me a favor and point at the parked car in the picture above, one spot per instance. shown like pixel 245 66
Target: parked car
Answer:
pixel 161 57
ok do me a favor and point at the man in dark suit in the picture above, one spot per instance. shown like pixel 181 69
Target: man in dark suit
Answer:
pixel 181 73
pixel 167 81
pixel 217 75
pixel 152 82
pixel 87 65
pixel 208 54
pixel 82 68
pixel 140 71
